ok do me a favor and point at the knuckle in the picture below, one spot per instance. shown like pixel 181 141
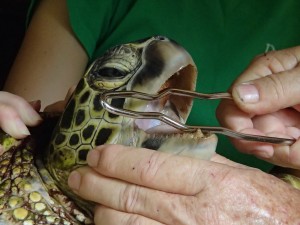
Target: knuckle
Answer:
pixel 294 156
pixel 149 170
pixel 275 64
pixel 88 185
pixel 107 155
pixel 100 212
pixel 290 60
pixel 277 86
pixel 6 111
pixel 129 198
pixel 227 176
pixel 278 61
pixel 134 220
pixel 281 62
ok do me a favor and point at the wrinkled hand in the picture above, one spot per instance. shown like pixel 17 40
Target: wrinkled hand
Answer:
pixel 16 113
pixel 141 186
pixel 267 102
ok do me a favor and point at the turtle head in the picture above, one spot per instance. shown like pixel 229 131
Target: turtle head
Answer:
pixel 149 65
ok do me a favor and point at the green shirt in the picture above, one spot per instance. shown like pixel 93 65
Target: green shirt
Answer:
pixel 222 36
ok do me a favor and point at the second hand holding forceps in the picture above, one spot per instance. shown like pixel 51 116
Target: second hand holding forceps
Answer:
pixel 176 124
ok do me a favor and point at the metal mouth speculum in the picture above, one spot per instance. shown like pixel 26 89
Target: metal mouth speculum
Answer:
pixel 105 96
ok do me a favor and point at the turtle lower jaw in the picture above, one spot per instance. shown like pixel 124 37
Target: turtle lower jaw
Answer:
pixel 156 135
pixel 194 144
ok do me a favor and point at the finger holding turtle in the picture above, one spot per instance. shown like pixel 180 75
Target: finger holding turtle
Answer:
pixel 16 114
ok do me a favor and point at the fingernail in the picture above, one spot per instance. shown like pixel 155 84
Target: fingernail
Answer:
pixel 93 158
pixel 74 180
pixel 248 93
pixel 21 128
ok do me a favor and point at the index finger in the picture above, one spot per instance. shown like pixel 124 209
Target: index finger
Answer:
pixel 230 116
pixel 157 170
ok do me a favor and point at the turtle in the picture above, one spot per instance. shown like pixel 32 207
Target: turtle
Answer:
pixel 34 171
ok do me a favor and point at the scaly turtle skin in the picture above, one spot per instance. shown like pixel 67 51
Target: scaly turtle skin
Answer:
pixel 33 185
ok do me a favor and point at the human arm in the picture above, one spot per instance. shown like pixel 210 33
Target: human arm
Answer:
pixel 266 102
pixel 50 61
pixel 148 187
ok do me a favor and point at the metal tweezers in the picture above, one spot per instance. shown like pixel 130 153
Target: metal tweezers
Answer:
pixel 176 124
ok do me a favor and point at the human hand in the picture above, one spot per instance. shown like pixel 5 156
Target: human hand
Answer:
pixel 16 113
pixel 267 102
pixel 141 186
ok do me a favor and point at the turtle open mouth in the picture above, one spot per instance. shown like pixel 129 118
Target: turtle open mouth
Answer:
pixel 173 106
pixel 154 125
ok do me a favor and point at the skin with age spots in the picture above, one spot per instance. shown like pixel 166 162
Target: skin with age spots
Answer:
pixel 171 189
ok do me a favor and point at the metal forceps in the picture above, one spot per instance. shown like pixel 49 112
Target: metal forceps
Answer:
pixel 176 124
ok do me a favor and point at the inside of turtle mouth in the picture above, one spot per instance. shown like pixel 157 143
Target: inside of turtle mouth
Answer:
pixel 176 107
pixel 155 125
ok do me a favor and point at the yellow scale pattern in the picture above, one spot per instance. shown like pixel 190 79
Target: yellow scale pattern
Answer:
pixel 24 199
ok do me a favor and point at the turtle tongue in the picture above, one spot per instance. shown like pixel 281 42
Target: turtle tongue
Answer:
pixel 155 125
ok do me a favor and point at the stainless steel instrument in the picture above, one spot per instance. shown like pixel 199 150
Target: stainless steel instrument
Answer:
pixel 176 124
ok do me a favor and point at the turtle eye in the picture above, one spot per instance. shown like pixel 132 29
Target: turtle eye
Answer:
pixel 110 73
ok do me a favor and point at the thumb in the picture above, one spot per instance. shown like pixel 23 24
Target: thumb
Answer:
pixel 268 94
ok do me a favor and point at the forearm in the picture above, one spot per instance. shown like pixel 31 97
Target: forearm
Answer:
pixel 50 60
